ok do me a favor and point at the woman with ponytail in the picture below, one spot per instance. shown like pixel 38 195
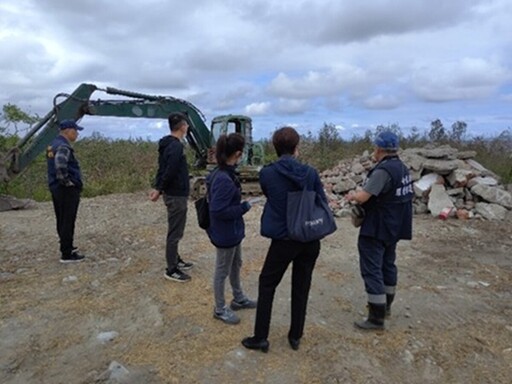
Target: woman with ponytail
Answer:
pixel 227 228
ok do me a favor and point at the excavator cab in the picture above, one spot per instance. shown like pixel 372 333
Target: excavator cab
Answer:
pixel 226 124
pixel 252 159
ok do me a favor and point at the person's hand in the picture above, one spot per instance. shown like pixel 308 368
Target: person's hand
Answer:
pixel 246 206
pixel 154 195
pixel 350 196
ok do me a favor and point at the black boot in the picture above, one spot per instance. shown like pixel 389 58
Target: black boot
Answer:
pixel 375 320
pixel 389 301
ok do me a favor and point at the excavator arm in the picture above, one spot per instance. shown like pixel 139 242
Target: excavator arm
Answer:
pixel 79 103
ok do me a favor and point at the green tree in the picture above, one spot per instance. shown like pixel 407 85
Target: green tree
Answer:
pixel 415 135
pixel 437 132
pixel 458 132
pixel 13 116
pixel 329 137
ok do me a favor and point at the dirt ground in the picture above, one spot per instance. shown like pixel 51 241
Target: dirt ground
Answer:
pixel 452 321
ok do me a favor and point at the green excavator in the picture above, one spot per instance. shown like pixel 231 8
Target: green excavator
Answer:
pixel 137 105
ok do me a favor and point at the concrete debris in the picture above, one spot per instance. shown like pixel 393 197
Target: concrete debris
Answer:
pixel 439 200
pixel 445 180
pixel 8 203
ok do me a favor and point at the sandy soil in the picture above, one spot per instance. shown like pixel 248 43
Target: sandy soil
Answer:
pixel 452 321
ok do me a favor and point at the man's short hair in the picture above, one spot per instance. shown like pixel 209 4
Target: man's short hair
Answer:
pixel 285 141
pixel 176 120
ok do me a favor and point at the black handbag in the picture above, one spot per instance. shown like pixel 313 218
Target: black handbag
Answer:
pixel 203 212
pixel 203 208
pixel 308 217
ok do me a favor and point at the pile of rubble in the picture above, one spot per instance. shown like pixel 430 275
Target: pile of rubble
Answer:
pixel 447 183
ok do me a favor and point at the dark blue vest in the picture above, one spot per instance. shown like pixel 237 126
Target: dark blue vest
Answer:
pixel 73 167
pixel 389 215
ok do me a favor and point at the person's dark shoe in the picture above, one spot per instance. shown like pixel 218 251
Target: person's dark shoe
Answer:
pixel 368 325
pixel 184 265
pixel 75 257
pixel 244 304
pixel 227 316
pixel 294 343
pixel 375 320
pixel 177 275
pixel 254 343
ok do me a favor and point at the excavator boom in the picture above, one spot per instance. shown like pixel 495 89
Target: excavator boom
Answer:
pixel 78 104
pixel 133 105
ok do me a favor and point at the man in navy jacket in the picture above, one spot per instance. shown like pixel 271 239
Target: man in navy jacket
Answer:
pixel 387 200
pixel 65 183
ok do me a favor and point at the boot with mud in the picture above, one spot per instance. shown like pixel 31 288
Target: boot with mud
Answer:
pixel 375 320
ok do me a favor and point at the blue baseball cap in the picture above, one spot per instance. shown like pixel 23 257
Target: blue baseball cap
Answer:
pixel 387 140
pixel 66 124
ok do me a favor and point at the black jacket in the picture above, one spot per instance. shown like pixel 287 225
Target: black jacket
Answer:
pixel 172 176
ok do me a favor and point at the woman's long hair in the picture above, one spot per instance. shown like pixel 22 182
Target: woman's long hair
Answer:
pixel 227 145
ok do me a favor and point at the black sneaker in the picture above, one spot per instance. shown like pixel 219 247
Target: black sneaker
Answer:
pixel 177 275
pixel 73 258
pixel 184 265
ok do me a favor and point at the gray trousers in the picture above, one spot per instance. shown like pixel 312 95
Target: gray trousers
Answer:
pixel 176 220
pixel 227 263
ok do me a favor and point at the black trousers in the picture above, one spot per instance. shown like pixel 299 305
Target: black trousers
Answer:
pixel 65 203
pixel 280 254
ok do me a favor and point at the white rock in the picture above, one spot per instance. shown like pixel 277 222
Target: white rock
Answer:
pixel 70 279
pixel 107 336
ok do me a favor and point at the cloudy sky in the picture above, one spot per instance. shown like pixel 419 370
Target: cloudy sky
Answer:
pixel 354 64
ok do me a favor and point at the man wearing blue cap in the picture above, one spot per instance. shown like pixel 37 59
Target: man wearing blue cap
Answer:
pixel 386 198
pixel 65 183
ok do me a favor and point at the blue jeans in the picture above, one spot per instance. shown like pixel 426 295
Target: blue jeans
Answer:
pixel 227 263
pixel 176 220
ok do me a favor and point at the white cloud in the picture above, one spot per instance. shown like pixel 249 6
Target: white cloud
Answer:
pixel 368 62
pixel 339 78
pixel 292 107
pixel 257 108
pixel 381 102
pixel 468 78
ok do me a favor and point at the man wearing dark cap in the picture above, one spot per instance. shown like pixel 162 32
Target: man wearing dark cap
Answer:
pixel 65 183
pixel 172 180
pixel 386 198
